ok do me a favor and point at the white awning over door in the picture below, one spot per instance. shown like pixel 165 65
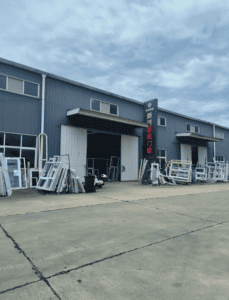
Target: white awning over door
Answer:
pixel 129 157
pixel 74 142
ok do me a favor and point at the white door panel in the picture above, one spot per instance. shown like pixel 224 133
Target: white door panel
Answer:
pixel 186 152
pixel 129 157
pixel 202 154
pixel 74 143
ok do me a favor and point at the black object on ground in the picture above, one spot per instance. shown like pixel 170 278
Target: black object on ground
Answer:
pixel 89 184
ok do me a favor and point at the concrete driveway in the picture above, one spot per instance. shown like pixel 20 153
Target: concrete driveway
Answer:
pixel 125 241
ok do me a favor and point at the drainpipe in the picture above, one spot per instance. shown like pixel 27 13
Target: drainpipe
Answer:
pixel 42 121
pixel 214 142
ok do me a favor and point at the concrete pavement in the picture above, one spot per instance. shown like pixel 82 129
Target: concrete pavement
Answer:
pixel 125 241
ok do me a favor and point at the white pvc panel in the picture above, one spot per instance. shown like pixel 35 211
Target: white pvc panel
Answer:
pixel 74 143
pixel 186 152
pixel 129 157
pixel 202 154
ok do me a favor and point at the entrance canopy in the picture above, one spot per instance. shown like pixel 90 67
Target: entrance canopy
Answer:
pixel 198 136
pixel 103 116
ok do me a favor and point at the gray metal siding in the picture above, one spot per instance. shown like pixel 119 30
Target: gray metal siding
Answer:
pixel 61 97
pixel 222 147
pixel 19 113
pixel 174 124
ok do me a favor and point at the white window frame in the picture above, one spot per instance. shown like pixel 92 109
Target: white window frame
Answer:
pixel 159 121
pixel 161 157
pixel 218 157
pixel 194 128
pixel 23 82
pixel 20 147
pixel 91 99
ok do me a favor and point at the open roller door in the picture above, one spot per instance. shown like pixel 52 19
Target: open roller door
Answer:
pixel 186 152
pixel 129 157
pixel 74 143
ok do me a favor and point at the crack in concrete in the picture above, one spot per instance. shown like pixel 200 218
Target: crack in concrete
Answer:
pixel 37 272
pixel 125 252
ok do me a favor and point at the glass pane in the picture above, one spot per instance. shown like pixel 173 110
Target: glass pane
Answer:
pixel 29 155
pixel 30 88
pixel 188 127
pixel 1 150
pixel 13 139
pixel 163 153
pixel 12 166
pixel 96 105
pixel 29 141
pixel 163 121
pixel 1 138
pixel 113 109
pixel 162 164
pixel 2 81
pixel 196 129
pixel 15 85
pixel 11 152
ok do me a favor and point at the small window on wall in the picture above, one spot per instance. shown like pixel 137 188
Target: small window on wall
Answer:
pixel 113 109
pixel 13 140
pixel 219 158
pixel 196 129
pixel 2 82
pixel 29 141
pixel 161 121
pixel 30 88
pixel 95 105
pixel 188 127
pixel 12 152
pixel 1 138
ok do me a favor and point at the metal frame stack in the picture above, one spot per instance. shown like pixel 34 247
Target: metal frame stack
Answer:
pixel 50 175
pixel 200 173
pixel 5 185
pixel 113 170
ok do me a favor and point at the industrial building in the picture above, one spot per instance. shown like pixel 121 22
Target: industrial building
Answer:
pixel 91 125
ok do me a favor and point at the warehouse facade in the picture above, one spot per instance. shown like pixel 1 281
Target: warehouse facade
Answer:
pixel 91 125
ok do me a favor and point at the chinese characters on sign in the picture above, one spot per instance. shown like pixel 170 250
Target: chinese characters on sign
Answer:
pixel 150 133
pixel 149 142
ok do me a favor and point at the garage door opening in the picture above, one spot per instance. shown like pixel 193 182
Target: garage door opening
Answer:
pixel 101 146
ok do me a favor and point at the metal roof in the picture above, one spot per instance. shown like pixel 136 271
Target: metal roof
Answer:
pixel 21 66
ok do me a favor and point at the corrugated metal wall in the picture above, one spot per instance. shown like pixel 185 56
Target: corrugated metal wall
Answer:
pixel 61 97
pixel 19 113
pixel 175 124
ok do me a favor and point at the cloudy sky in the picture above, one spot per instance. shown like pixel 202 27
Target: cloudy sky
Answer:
pixel 172 50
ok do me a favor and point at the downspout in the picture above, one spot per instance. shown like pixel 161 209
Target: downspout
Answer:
pixel 214 142
pixel 42 121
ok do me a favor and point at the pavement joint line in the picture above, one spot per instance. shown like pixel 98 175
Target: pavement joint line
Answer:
pixel 19 286
pixel 37 272
pixel 85 265
pixel 125 252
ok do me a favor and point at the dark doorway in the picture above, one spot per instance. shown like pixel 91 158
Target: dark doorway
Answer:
pixel 102 146
pixel 194 155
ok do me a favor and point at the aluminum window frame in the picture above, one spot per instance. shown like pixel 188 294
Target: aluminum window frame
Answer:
pixel 23 84
pixel 159 121
pixel 21 147
pixel 194 128
pixel 217 156
pixel 162 157
pixel 101 101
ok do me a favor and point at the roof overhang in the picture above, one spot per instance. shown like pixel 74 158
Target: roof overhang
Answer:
pixel 99 115
pixel 198 136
